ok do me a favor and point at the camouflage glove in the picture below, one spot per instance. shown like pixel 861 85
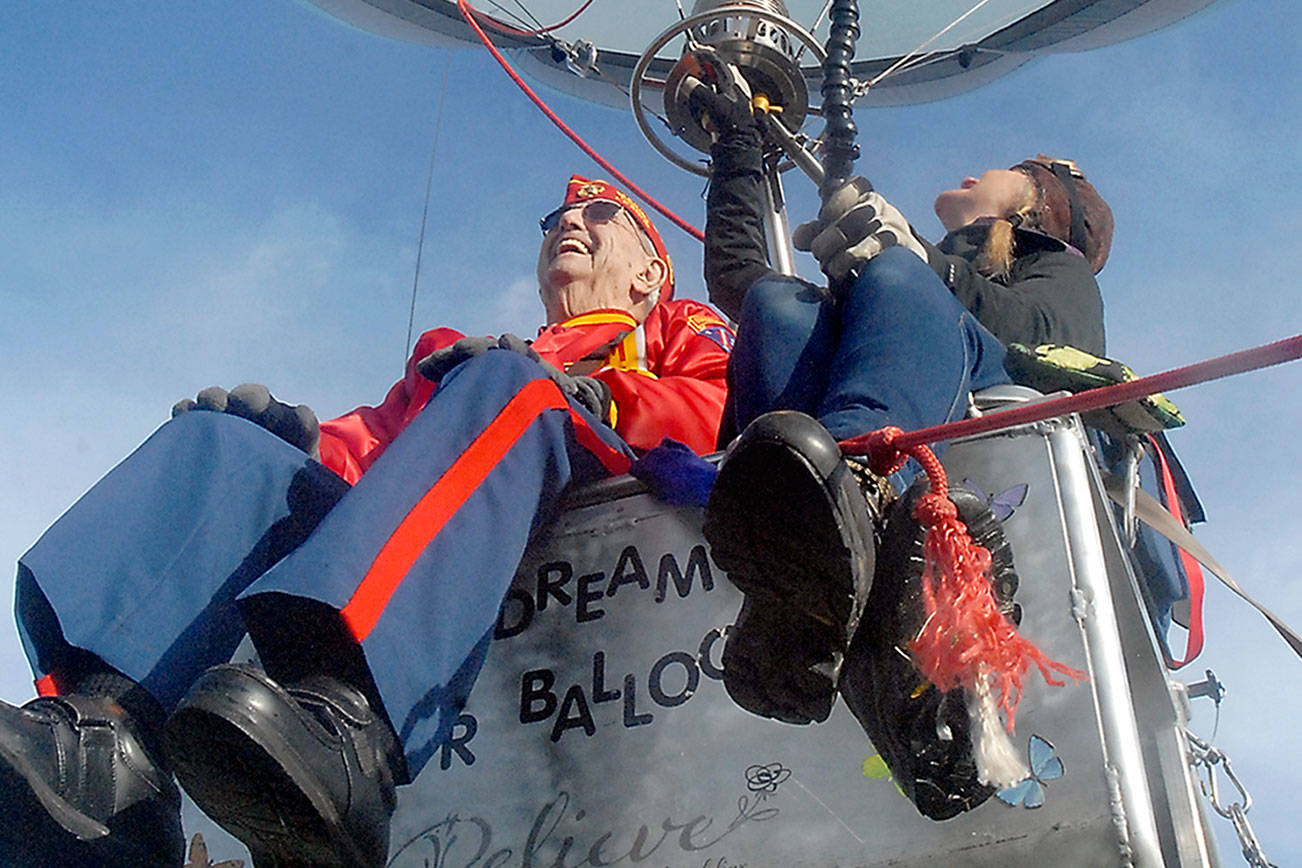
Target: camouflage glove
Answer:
pixel 1050 367
pixel 296 425
pixel 853 226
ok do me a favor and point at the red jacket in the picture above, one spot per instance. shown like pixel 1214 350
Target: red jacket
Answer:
pixel 666 379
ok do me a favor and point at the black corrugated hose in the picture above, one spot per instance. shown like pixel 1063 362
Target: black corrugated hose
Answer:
pixel 838 96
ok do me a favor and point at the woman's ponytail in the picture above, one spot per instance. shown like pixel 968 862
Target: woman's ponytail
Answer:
pixel 996 257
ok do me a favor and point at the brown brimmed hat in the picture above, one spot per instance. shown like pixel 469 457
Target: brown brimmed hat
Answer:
pixel 1069 208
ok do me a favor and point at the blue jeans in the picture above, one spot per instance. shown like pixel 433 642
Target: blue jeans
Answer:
pixel 895 349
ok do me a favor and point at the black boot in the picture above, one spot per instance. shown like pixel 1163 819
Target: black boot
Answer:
pixel 302 775
pixel 921 732
pixel 79 788
pixel 789 524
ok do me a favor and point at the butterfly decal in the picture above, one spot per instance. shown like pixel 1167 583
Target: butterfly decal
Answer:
pixel 1045 766
pixel 1005 502
pixel 874 767
pixel 199 856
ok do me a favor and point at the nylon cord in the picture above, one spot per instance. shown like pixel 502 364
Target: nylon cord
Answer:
pixel 559 24
pixel 906 58
pixel 500 8
pixel 429 184
pixel 537 22
pixel 817 21
pixel 540 31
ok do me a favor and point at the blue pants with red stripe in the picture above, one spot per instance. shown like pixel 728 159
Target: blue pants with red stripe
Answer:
pixel 213 521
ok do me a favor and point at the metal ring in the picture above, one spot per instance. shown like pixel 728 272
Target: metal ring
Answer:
pixel 639 71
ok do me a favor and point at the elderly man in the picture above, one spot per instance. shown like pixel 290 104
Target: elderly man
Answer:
pixel 369 582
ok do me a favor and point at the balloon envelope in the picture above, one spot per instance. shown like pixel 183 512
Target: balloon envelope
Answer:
pixel 963 43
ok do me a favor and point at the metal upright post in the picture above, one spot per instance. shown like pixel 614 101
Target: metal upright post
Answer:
pixel 777 229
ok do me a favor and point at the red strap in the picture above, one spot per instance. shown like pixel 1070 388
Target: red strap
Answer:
pixel 615 462
pixel 1192 569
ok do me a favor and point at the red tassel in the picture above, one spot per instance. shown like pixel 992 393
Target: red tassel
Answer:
pixel 964 636
pixel 46 686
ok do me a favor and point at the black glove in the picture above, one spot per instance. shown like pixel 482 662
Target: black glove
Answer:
pixel 590 392
pixel 721 103
pixel 436 365
pixel 721 113
pixel 296 425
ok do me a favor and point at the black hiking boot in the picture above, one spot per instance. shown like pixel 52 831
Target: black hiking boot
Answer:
pixel 789 524
pixel 921 732
pixel 302 775
pixel 78 788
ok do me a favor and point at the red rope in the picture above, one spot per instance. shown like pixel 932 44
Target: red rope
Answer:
pixel 965 640
pixel 469 14
pixel 887 447
pixel 965 637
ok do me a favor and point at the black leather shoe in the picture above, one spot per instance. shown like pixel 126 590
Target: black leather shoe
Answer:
pixel 77 788
pixel 302 775
pixel 789 524
pixel 921 732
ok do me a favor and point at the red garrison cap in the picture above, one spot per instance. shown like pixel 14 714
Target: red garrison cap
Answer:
pixel 581 189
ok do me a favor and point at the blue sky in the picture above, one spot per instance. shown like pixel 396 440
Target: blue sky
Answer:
pixel 196 193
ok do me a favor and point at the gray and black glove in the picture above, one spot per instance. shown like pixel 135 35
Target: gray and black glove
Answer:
pixel 853 226
pixel 296 425
pixel 592 394
pixel 721 112
pixel 719 99
pixel 436 365
pixel 589 392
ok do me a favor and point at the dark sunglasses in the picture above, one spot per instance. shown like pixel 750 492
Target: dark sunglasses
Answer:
pixel 1057 166
pixel 596 211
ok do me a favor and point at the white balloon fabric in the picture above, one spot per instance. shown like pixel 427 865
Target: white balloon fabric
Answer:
pixel 960 44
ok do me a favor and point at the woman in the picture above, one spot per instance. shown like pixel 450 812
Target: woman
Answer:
pixel 1014 257
pixel 1007 261
pixel 907 331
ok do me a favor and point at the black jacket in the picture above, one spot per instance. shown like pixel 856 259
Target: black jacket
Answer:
pixel 1050 297
pixel 735 254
